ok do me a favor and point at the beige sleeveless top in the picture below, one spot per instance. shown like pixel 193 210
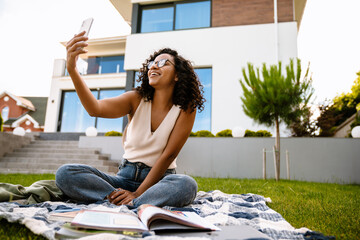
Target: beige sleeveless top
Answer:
pixel 142 145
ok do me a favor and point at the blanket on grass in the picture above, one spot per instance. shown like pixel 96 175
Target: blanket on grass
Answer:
pixel 215 206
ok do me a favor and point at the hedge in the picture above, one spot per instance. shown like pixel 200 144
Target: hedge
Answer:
pixel 113 133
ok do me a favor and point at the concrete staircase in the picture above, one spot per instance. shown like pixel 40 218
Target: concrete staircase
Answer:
pixel 46 156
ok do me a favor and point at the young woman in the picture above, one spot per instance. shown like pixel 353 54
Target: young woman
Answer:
pixel 161 114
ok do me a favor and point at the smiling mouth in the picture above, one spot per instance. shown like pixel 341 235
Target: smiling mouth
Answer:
pixel 154 74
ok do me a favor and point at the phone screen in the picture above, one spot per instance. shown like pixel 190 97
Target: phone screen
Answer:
pixel 86 25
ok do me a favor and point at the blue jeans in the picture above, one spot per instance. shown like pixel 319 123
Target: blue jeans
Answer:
pixel 86 184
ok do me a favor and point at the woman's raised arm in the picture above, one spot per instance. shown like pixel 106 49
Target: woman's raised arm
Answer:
pixel 109 108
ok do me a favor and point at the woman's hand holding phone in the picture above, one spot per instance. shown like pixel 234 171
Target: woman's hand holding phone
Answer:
pixel 76 45
pixel 74 48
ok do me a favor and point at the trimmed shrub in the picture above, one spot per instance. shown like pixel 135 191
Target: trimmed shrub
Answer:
pixel 260 133
pixel 263 133
pixel 224 133
pixel 192 134
pixel 249 133
pixel 204 133
pixel 113 133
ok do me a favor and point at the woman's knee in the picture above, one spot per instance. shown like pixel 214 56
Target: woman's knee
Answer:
pixel 189 183
pixel 65 174
pixel 186 185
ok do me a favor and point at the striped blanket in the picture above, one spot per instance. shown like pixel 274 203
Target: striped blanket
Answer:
pixel 215 206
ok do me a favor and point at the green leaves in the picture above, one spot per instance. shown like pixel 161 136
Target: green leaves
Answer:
pixel 337 111
pixel 275 95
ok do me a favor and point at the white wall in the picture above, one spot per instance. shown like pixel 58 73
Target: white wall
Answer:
pixel 227 50
pixel 61 83
pixel 333 160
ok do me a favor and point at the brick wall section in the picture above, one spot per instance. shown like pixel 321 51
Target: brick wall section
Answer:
pixel 245 12
pixel 14 110
pixel 30 126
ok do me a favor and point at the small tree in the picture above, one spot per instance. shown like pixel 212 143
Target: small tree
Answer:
pixel 275 98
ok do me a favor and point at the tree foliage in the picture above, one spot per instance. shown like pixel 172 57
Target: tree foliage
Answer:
pixel 334 113
pixel 275 97
pixel 303 126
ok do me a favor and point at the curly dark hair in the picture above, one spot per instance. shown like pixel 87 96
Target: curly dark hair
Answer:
pixel 188 91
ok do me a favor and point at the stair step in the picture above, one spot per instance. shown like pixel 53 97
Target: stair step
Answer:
pixel 55 146
pixel 26 171
pixel 49 166
pixel 57 155
pixel 46 156
pixel 54 142
pixel 59 150
pixel 40 171
pixel 58 161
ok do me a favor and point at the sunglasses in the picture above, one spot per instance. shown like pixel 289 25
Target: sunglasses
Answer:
pixel 159 63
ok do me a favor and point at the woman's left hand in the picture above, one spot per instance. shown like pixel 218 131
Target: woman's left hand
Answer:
pixel 120 196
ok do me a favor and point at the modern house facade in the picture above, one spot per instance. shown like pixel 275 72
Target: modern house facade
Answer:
pixel 219 36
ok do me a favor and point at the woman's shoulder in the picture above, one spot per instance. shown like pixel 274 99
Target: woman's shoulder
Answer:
pixel 135 99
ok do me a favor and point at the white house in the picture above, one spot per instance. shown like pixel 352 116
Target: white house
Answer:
pixel 219 36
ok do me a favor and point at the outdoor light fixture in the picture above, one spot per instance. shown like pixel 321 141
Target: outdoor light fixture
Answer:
pixel 19 131
pixel 91 132
pixel 355 132
pixel 238 132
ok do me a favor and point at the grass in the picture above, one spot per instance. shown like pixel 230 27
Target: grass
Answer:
pixel 331 209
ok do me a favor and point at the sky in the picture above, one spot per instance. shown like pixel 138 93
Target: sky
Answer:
pixel 31 32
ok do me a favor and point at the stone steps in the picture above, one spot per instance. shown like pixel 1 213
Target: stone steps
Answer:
pixel 46 156
pixel 57 161
pixel 52 167
pixel 57 155
pixel 59 150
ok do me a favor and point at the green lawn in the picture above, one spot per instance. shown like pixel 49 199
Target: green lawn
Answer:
pixel 331 209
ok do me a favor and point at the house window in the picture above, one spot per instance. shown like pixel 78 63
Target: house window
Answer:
pixel 174 16
pixel 74 118
pixel 5 114
pixel 109 124
pixel 102 65
pixel 203 119
pixel 157 19
pixel 192 15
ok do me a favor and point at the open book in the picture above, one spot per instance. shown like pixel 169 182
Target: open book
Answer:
pixel 148 218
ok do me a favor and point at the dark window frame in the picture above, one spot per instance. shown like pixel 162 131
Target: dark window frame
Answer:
pixel 140 9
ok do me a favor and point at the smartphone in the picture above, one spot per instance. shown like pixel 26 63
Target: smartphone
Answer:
pixel 86 25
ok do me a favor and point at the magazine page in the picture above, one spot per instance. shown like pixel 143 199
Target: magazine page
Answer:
pixel 63 216
pixel 182 220
pixel 108 221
